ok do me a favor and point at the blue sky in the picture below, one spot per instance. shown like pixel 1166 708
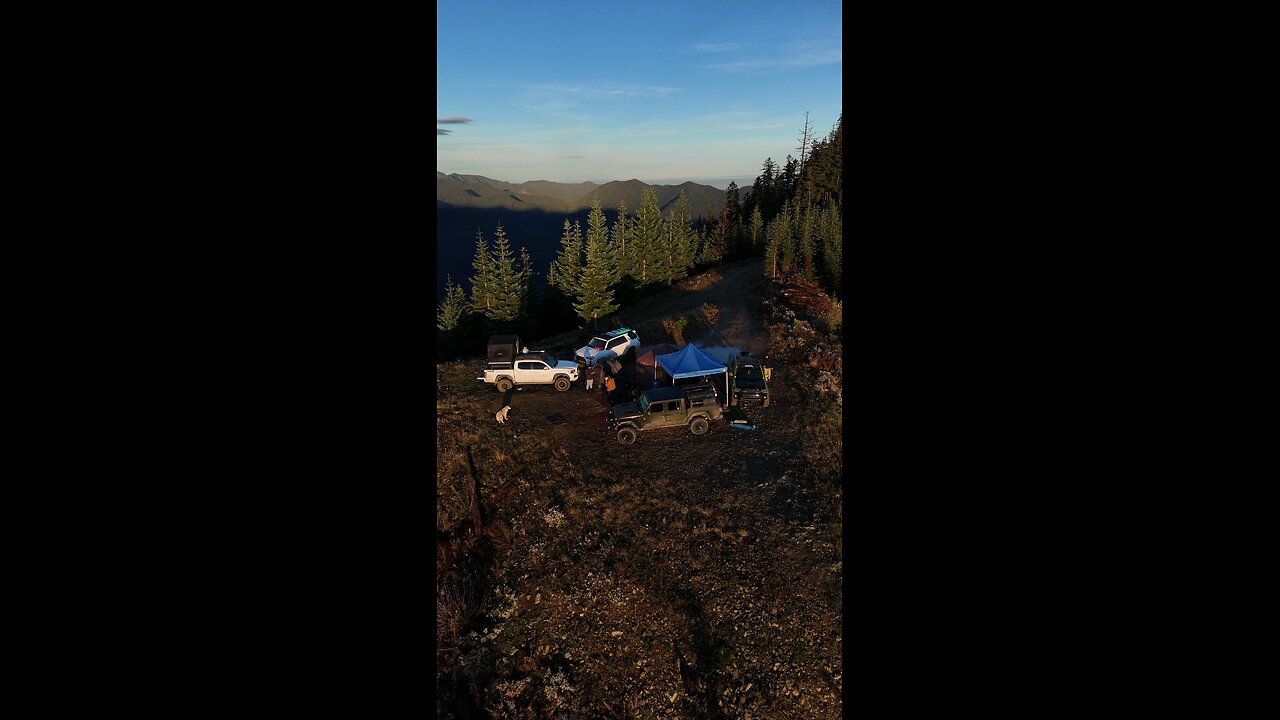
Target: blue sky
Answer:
pixel 659 91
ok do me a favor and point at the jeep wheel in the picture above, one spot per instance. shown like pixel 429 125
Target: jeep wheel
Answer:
pixel 626 436
pixel 562 383
pixel 504 385
pixel 698 426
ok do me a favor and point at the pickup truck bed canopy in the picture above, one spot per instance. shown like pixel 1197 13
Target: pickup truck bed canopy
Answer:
pixel 502 348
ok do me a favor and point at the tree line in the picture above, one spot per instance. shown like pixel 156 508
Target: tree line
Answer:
pixel 791 218
pixel 592 276
pixel 798 211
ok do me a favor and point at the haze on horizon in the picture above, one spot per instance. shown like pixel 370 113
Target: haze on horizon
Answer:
pixel 665 93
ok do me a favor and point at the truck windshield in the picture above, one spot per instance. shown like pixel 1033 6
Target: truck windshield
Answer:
pixel 749 372
pixel 596 344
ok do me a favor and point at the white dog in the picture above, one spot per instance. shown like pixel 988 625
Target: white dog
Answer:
pixel 502 414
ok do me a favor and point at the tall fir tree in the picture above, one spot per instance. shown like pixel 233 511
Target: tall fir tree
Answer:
pixel 529 305
pixel 732 217
pixel 790 171
pixel 507 293
pixel 566 269
pixel 595 296
pixel 805 237
pixel 787 248
pixel 597 227
pixel 687 238
pixel 648 238
pixel 453 309
pixel 673 257
pixel 762 189
pixel 776 233
pixel 483 277
pixel 757 228
pixel 832 246
pixel 620 238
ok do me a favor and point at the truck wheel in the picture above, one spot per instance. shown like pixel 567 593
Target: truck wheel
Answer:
pixel 562 383
pixel 504 385
pixel 626 436
pixel 698 426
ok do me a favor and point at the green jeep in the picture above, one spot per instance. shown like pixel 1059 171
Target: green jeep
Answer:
pixel 692 406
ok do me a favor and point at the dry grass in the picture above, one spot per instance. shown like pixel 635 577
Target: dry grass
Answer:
pixel 678 578
pixel 700 282
pixel 710 313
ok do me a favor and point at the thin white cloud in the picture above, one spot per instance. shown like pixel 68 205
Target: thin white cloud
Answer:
pixel 662 91
pixel 790 55
pixel 773 126
pixel 716 47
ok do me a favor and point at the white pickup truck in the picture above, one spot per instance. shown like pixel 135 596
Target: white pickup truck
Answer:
pixel 507 368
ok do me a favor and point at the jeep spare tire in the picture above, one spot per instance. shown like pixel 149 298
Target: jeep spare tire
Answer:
pixel 562 383
pixel 504 385
pixel 698 426
pixel 626 436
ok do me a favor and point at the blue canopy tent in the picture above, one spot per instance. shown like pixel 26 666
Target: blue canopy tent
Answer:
pixel 690 362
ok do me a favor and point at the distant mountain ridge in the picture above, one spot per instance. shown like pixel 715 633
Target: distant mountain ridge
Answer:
pixel 476 191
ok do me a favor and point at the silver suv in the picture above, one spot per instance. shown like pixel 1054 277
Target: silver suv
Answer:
pixel 615 343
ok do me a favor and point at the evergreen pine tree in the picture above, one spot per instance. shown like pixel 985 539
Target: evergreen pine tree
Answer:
pixel 529 309
pixel 787 247
pixel 806 240
pixel 757 229
pixel 566 269
pixel 732 216
pixel 773 249
pixel 648 238
pixel 620 238
pixel 595 296
pixel 482 281
pixel 789 173
pixel 832 245
pixel 762 190
pixel 507 292
pixel 597 227
pixel 686 238
pixel 452 310
pixel 672 257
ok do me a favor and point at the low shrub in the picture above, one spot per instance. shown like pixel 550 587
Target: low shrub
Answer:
pixel 710 313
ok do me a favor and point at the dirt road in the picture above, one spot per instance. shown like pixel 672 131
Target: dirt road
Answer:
pixel 734 294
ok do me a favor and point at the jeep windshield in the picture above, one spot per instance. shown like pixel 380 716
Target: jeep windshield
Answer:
pixel 749 372
pixel 596 344
pixel 644 403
